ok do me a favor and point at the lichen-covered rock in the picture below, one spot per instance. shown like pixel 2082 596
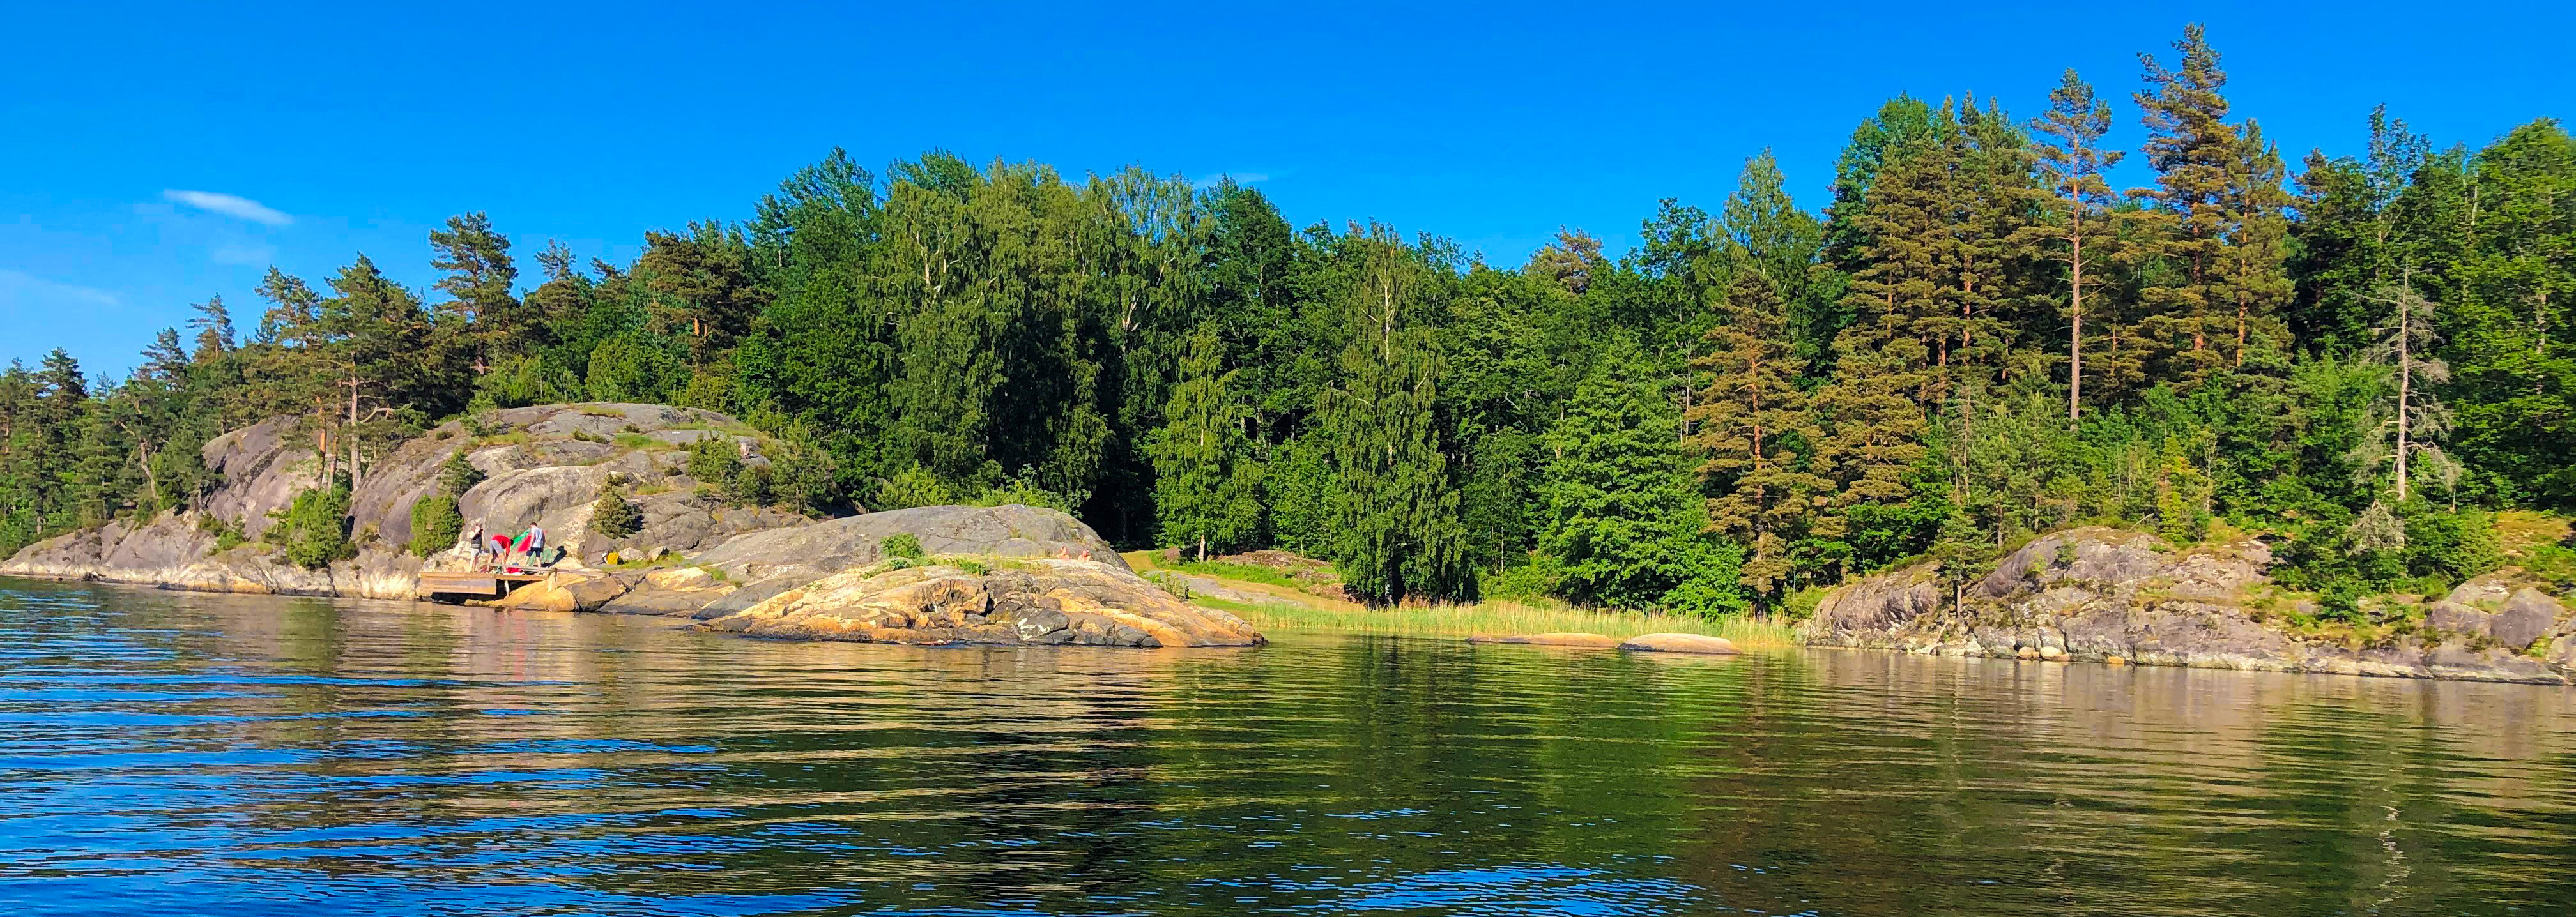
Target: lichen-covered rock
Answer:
pixel 2099 594
pixel 2454 617
pixel 1886 602
pixel 1044 601
pixel 2526 616
pixel 543 465
pixel 757 569
pixel 174 552
pixel 565 592
pixel 853 541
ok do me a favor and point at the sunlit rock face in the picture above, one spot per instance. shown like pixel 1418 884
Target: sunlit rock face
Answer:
pixel 2102 594
pixel 544 465
pixel 1044 601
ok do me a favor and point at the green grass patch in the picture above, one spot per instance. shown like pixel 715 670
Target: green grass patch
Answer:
pixel 1500 618
pixel 1250 573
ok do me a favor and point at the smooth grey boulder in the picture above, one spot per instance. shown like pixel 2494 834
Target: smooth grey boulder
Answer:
pixel 2526 616
pixel 834 545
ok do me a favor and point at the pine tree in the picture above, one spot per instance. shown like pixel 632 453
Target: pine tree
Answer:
pixel 2217 220
pixel 1206 485
pixel 1875 437
pixel 2074 161
pixel 214 325
pixel 1751 422
pixel 1890 362
pixel 483 310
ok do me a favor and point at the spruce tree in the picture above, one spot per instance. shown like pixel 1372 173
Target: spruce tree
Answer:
pixel 1618 495
pixel 614 516
pixel 2412 420
pixel 1752 422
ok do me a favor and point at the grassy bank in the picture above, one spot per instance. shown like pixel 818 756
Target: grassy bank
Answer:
pixel 1498 618
pixel 1287 609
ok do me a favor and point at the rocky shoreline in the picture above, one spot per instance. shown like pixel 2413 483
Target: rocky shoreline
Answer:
pixel 2104 595
pixel 1017 575
pixel 1009 575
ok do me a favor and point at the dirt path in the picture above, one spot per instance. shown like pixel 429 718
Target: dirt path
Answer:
pixel 1144 561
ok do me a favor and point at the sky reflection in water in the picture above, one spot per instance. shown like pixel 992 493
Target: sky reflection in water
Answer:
pixel 174 752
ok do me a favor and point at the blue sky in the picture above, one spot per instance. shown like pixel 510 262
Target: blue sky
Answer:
pixel 154 156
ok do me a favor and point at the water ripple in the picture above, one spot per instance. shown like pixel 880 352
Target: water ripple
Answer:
pixel 168 752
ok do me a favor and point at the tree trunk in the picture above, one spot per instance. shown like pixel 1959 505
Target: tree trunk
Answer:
pixel 2075 334
pixel 2405 383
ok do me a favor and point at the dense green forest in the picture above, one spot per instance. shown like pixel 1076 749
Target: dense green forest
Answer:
pixel 1978 339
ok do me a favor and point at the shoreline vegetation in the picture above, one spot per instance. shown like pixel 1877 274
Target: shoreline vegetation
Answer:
pixel 1273 601
pixel 2341 378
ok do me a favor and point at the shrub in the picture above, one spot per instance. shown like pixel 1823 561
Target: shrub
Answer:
pixel 1025 492
pixel 435 524
pixel 914 486
pixel 751 485
pixel 458 475
pixel 902 546
pixel 1707 576
pixel 804 477
pixel 314 530
pixel 614 516
pixel 1537 578
pixel 714 459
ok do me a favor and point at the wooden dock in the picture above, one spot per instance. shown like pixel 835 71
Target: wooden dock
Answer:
pixel 465 585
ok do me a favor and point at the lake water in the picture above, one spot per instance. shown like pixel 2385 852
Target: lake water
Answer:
pixel 169 753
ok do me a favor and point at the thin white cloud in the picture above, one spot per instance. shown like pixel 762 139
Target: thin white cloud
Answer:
pixel 20 290
pixel 1240 178
pixel 231 205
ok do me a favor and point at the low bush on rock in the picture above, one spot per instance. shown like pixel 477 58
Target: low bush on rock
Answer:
pixel 314 530
pixel 435 523
pixel 614 516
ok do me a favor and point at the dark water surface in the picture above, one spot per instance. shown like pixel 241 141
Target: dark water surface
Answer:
pixel 164 752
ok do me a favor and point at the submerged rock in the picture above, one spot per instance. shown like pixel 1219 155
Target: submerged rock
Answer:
pixel 1681 643
pixel 1561 638
pixel 2103 594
